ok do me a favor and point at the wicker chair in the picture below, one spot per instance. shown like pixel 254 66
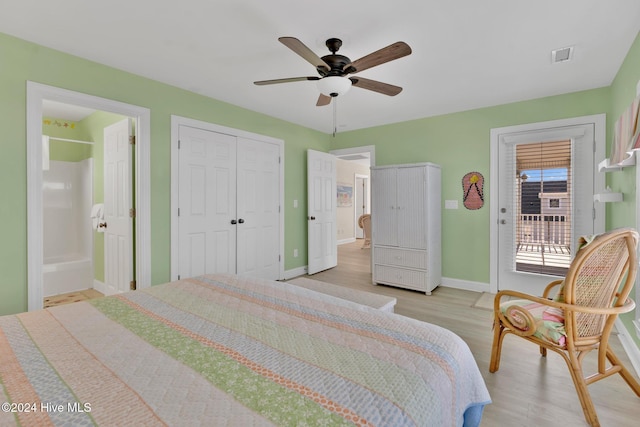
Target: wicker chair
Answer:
pixel 365 223
pixel 594 292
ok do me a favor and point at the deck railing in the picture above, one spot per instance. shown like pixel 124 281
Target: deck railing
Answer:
pixel 544 229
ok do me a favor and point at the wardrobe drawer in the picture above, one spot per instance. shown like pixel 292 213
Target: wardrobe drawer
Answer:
pixel 412 279
pixel 400 257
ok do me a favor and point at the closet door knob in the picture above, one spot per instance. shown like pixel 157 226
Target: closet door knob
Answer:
pixel 312 218
pixel 241 221
pixel 233 222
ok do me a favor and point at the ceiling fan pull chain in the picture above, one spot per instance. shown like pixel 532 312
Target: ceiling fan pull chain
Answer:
pixel 335 116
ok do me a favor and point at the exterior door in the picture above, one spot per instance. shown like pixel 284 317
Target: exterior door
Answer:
pixel 258 209
pixel 321 211
pixel 545 203
pixel 118 242
pixel 207 202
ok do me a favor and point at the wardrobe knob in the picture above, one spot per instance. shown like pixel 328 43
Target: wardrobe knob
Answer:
pixel 241 221
pixel 233 222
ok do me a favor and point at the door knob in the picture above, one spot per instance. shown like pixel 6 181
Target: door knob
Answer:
pixel 312 218
pixel 241 221
pixel 233 222
pixel 503 221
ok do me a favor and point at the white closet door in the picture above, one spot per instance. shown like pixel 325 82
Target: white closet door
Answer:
pixel 118 243
pixel 412 226
pixel 258 208
pixel 207 170
pixel 384 207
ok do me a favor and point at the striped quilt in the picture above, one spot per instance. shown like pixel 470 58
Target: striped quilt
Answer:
pixel 224 350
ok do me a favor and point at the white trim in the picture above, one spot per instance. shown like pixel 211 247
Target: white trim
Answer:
pixel 100 286
pixel 345 241
pixel 371 149
pixel 36 94
pixel 521 133
pixel 176 122
pixel 467 285
pixel 637 285
pixel 298 271
pixel 629 345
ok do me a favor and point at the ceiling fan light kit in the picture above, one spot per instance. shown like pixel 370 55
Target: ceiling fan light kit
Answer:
pixel 334 85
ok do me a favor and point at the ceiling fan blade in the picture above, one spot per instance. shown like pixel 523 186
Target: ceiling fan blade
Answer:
pixel 386 54
pixel 287 80
pixel 301 49
pixel 376 86
pixel 323 100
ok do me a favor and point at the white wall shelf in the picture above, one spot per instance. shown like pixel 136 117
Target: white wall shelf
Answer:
pixel 605 166
pixel 607 197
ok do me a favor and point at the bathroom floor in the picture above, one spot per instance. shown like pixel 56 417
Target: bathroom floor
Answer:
pixel 71 297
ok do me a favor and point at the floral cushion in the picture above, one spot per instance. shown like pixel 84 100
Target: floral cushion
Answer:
pixel 549 321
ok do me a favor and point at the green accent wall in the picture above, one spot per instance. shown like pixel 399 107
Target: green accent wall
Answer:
pixel 459 142
pixel 623 91
pixel 23 61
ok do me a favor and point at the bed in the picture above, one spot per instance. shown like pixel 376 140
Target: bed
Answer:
pixel 233 350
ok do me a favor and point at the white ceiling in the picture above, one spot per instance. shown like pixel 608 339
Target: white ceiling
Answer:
pixel 466 54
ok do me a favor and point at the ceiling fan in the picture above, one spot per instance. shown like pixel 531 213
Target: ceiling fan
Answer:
pixel 334 69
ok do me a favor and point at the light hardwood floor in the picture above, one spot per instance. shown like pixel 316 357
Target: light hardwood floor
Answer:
pixel 528 390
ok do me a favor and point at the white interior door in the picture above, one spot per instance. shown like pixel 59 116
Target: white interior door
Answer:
pixel 258 227
pixel 207 202
pixel 526 244
pixel 321 211
pixel 118 240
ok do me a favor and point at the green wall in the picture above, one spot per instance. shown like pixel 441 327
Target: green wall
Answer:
pixel 22 61
pixel 460 143
pixel 623 91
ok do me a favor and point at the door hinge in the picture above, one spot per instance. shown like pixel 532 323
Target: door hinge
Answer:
pixel 178 144
pixel 178 211
pixel 178 277
pixel 132 213
pixel 594 213
pixel 132 139
pixel 132 285
pixel 279 160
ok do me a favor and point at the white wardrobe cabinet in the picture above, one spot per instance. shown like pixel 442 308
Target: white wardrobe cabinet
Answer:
pixel 406 237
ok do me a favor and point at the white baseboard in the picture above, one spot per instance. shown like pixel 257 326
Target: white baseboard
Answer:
pixel 466 285
pixel 345 241
pixel 629 345
pixel 99 286
pixel 300 271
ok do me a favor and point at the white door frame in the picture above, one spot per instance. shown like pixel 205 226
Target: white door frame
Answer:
pixel 364 195
pixel 176 122
pixel 36 93
pixel 599 120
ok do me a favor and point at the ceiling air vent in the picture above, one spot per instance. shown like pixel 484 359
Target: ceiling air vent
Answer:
pixel 561 55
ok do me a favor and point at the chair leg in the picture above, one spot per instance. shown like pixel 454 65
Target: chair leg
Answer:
pixel 496 348
pixel 626 375
pixel 575 369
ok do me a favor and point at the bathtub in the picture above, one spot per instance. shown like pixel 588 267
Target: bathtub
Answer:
pixel 68 273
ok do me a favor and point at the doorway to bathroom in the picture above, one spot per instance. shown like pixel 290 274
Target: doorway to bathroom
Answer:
pixel 87 184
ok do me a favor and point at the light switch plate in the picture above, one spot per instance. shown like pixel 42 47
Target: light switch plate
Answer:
pixel 451 204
